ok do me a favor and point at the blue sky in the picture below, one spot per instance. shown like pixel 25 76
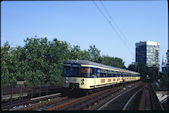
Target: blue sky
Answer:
pixel 81 23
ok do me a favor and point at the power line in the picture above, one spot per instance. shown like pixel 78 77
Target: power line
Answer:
pixel 118 31
pixel 128 44
pixel 116 25
pixel 109 21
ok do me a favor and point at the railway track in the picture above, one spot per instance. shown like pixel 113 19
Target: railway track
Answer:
pixel 144 99
pixel 141 97
pixel 84 103
pixel 65 103
pixel 50 103
pixel 25 102
pixel 42 105
pixel 81 103
pixel 118 100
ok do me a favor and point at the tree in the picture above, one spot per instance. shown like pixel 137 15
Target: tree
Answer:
pixel 141 68
pixel 77 53
pixel 112 61
pixel 133 67
pixel 164 82
pixel 40 61
pixel 94 54
pixel 8 64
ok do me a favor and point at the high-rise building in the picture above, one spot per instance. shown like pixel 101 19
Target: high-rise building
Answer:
pixel 148 53
pixel 167 57
pixel 167 65
pixel 168 54
pixel 164 64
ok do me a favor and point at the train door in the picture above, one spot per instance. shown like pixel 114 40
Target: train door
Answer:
pixel 94 76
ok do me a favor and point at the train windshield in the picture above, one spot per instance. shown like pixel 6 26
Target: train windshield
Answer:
pixel 71 70
pixel 75 71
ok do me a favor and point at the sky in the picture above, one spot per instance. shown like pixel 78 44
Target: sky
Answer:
pixel 86 23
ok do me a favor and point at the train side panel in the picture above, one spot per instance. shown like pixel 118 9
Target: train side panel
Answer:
pixel 83 83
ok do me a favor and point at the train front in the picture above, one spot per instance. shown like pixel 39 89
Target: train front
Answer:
pixel 75 77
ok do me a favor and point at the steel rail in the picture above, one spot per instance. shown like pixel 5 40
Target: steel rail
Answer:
pixel 106 104
pixel 131 99
pixel 36 106
pixel 83 102
pixel 75 102
pixel 27 101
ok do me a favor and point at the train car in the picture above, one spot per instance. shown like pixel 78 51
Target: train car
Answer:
pixel 83 74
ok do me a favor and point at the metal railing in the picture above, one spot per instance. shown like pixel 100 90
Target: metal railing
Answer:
pixel 19 92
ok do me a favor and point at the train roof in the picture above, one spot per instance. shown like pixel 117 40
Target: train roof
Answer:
pixel 86 62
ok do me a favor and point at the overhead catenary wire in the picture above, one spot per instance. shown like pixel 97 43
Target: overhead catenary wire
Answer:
pixel 128 44
pixel 116 25
pixel 110 20
pixel 110 23
pixel 118 31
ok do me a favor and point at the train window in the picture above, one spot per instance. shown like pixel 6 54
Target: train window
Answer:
pixel 105 74
pixel 98 72
pixel 117 74
pixel 93 71
pixel 109 74
pixel 114 75
pixel 121 74
pixel 86 71
pixel 124 74
pixel 75 71
pixel 66 71
pixel 101 75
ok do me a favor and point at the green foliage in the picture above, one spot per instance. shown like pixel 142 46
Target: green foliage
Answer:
pixel 113 61
pixel 8 65
pixel 77 53
pixel 94 54
pixel 152 72
pixel 40 62
pixel 164 82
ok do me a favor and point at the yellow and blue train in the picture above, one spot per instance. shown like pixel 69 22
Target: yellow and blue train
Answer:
pixel 83 74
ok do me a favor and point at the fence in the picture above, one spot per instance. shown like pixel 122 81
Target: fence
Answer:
pixel 12 92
